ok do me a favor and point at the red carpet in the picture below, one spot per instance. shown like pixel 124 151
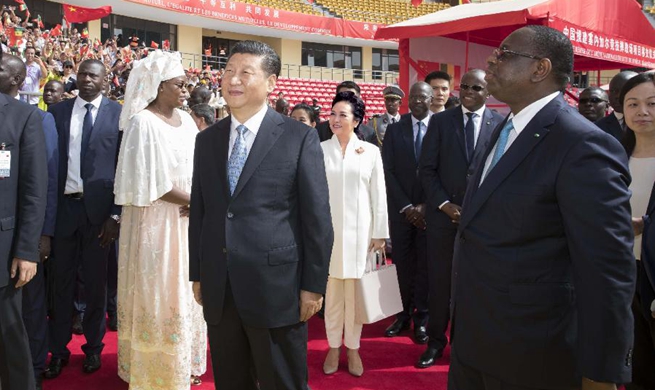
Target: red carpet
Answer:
pixel 388 364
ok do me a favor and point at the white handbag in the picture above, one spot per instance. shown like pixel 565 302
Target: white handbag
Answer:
pixel 377 294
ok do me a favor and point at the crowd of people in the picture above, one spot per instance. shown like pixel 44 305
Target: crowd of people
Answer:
pixel 529 235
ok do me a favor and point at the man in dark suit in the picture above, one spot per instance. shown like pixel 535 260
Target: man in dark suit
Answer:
pixel 592 103
pixel 364 132
pixel 406 203
pixel 35 316
pixel 87 218
pixel 456 138
pixel 543 271
pixel 23 190
pixel 260 234
pixel 613 124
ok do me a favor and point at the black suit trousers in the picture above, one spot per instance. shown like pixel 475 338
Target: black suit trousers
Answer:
pixel 643 361
pixel 441 242
pixel 35 318
pixel 82 246
pixel 16 371
pixel 409 256
pixel 243 356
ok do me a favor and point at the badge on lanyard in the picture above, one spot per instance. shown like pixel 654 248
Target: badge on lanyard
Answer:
pixel 5 161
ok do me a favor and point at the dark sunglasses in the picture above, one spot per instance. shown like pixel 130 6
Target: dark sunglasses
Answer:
pixel 501 54
pixel 466 87
pixel 594 100
pixel 68 67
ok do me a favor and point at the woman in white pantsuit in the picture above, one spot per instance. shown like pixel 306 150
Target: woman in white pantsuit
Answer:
pixel 359 215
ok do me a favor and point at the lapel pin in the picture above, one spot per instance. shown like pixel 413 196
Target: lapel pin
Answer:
pixel 359 150
pixel 488 122
pixel 536 135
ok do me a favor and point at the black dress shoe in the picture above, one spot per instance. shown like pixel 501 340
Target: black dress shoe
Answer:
pixel 429 357
pixel 396 328
pixel 77 325
pixel 113 323
pixel 420 334
pixel 91 364
pixel 54 368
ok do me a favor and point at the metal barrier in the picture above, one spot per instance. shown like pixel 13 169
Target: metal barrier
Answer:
pixel 301 71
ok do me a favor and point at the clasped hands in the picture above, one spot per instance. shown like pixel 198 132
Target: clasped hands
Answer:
pixel 310 303
pixel 416 215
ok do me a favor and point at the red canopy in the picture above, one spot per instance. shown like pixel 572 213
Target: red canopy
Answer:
pixel 606 34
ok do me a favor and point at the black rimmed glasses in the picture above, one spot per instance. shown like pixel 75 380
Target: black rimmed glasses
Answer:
pixel 466 87
pixel 502 53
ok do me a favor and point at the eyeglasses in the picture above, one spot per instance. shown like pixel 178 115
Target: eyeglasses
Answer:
pixel 466 87
pixel 68 67
pixel 593 100
pixel 501 53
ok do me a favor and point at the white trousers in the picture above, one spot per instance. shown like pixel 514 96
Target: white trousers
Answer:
pixel 340 314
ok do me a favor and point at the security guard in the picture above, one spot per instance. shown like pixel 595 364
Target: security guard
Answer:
pixel 392 97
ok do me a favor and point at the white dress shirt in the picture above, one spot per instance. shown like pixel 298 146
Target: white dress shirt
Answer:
pixel 253 124
pixel 74 181
pixel 520 121
pixel 393 119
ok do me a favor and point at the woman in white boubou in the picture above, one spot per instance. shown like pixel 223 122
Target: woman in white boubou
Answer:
pixel 359 215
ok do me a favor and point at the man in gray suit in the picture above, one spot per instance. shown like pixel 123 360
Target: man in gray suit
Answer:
pixel 23 190
pixel 260 234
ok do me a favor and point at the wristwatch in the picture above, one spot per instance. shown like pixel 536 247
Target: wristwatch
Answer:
pixel 116 218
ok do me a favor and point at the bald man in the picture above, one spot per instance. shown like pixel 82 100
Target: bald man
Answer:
pixel 593 103
pixel 614 124
pixel 200 95
pixel 53 92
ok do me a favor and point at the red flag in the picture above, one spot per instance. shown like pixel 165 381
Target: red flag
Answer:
pixel 56 31
pixel 166 45
pixel 20 1
pixel 154 45
pixel 416 3
pixel 116 82
pixel 75 14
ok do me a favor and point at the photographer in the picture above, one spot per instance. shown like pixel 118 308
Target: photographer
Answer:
pixel 36 70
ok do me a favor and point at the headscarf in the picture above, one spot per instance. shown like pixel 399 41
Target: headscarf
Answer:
pixel 142 85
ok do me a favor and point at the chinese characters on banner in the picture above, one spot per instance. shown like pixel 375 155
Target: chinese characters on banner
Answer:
pixel 233 11
pixel 597 45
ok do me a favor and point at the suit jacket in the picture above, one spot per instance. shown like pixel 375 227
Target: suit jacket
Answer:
pixel 364 132
pixel 401 168
pixel 647 287
pixel 52 154
pixel 543 270
pixel 444 167
pixel 23 193
pixel 611 126
pixel 273 235
pixel 100 161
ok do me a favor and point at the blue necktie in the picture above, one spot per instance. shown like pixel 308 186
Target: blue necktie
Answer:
pixel 418 141
pixel 469 136
pixel 501 144
pixel 87 127
pixel 237 159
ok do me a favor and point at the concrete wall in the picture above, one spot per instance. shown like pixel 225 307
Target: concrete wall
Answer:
pixel 94 29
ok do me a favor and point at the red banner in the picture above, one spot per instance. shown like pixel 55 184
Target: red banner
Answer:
pixel 593 44
pixel 232 11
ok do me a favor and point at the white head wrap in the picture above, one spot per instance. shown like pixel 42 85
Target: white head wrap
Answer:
pixel 143 83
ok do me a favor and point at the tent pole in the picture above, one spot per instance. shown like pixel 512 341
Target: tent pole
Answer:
pixel 598 78
pixel 466 60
